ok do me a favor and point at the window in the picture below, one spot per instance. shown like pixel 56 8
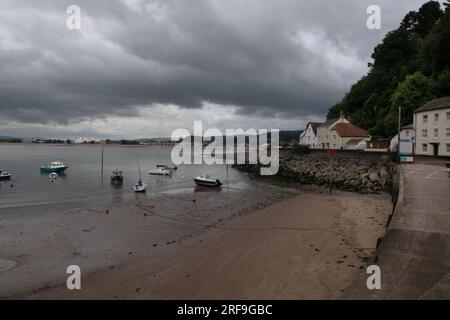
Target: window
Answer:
pixel 436 133
pixel 309 138
pixel 407 133
pixel 436 117
pixel 424 147
pixel 424 133
pixel 448 133
pixel 326 137
pixel 448 147
pixel 425 118
pixel 334 136
pixel 448 116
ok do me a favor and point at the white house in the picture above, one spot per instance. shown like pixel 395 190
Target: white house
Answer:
pixel 356 144
pixel 432 127
pixel 324 134
pixel 309 136
pixel 341 134
pixel 407 134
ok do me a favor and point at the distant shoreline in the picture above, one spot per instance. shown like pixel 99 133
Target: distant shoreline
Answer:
pixel 83 145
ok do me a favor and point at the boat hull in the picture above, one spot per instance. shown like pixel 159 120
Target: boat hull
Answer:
pixel 206 183
pixel 140 189
pixel 117 179
pixel 166 167
pixel 161 173
pixel 53 170
pixel 6 177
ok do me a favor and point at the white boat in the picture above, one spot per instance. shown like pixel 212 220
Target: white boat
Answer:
pixel 140 186
pixel 5 175
pixel 206 181
pixel 161 172
pixel 53 176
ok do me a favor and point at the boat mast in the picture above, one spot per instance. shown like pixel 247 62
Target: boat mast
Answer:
pixel 139 167
pixel 103 152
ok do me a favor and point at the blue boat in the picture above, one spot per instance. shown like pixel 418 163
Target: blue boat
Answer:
pixel 54 167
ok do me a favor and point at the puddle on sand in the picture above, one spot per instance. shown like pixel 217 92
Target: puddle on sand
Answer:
pixel 6 264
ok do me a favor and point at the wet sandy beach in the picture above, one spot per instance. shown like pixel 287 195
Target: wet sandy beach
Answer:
pixel 277 243
pixel 42 239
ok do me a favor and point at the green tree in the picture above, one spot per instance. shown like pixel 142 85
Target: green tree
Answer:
pixel 442 84
pixel 409 95
pixel 411 61
pixel 436 47
pixel 427 16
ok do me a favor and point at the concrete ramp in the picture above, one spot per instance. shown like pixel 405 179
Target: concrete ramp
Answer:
pixel 414 256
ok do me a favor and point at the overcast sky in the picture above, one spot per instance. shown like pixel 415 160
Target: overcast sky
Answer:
pixel 141 68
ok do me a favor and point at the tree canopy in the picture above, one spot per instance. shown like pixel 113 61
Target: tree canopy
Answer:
pixel 410 67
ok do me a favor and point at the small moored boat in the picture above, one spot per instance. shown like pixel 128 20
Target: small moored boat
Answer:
pixel 140 186
pixel 166 167
pixel 54 166
pixel 53 176
pixel 5 175
pixel 206 181
pixel 117 176
pixel 161 172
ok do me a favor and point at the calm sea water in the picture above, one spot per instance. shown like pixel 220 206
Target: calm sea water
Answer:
pixel 83 179
pixel 81 220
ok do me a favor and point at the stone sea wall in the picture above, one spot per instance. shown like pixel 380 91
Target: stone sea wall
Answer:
pixel 358 174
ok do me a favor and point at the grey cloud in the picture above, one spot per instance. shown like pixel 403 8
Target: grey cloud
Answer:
pixel 290 57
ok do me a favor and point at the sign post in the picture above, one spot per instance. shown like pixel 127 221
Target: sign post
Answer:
pixel 331 155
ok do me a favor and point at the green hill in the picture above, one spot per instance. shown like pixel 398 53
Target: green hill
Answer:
pixel 410 67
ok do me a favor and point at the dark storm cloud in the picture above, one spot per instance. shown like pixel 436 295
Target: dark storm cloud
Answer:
pixel 291 57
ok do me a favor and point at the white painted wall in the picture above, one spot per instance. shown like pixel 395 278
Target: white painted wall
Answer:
pixel 432 127
pixel 308 137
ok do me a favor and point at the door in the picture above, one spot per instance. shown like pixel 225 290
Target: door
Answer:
pixel 435 149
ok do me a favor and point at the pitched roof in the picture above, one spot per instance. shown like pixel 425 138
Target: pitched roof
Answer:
pixel 409 126
pixel 435 104
pixel 328 122
pixel 314 126
pixel 350 130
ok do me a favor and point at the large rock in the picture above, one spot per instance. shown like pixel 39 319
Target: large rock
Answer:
pixel 373 170
pixel 384 173
pixel 374 177
pixel 355 183
pixel 348 174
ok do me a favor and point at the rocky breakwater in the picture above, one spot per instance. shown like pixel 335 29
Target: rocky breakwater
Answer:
pixel 356 175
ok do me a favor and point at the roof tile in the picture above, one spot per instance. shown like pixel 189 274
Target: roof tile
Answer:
pixel 350 130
